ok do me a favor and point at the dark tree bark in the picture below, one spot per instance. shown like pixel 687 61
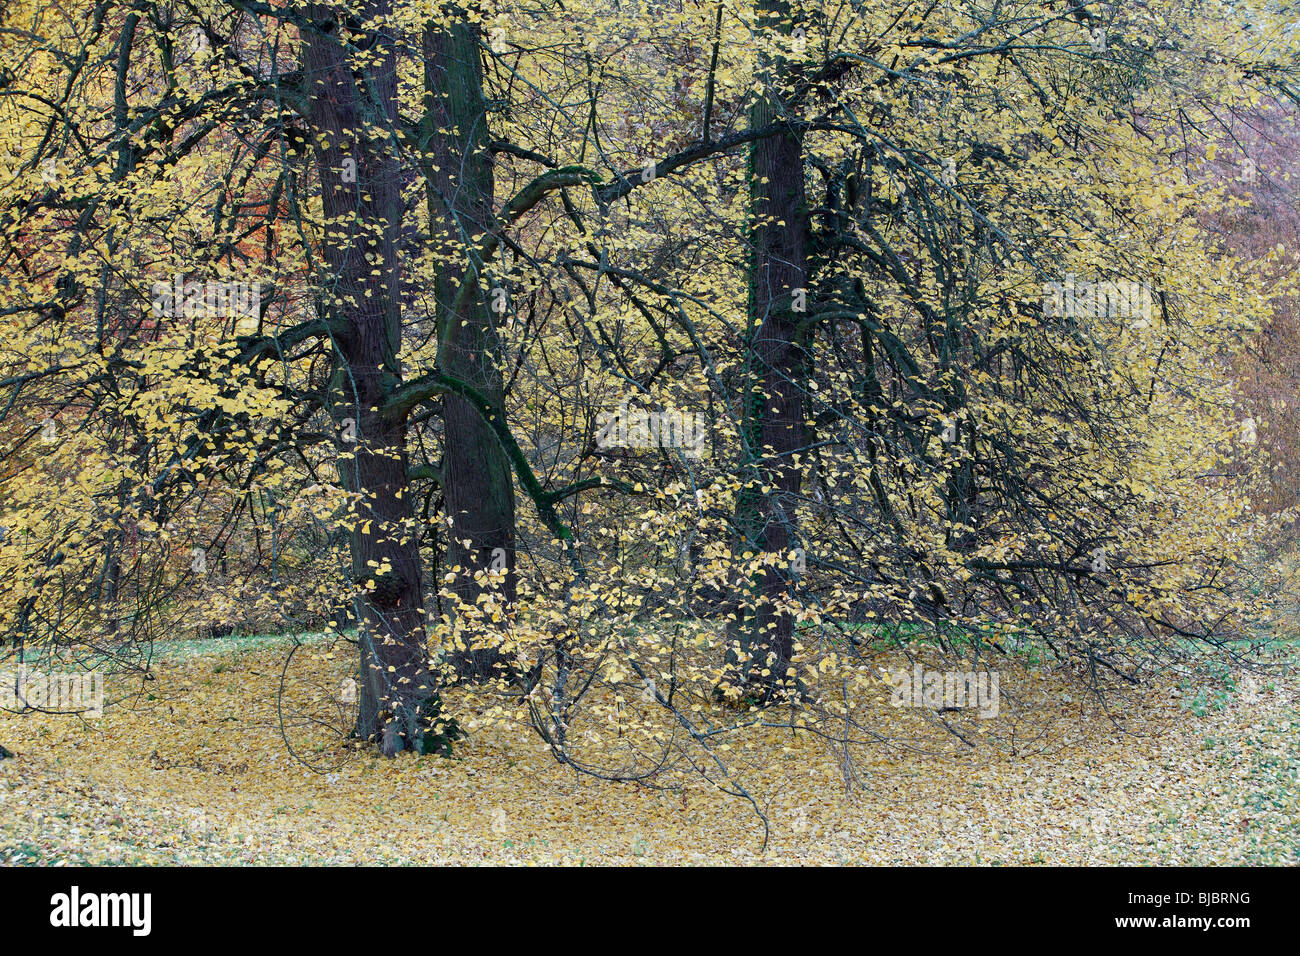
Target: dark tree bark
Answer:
pixel 478 489
pixel 351 109
pixel 762 637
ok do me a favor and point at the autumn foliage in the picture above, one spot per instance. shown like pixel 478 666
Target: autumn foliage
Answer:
pixel 977 340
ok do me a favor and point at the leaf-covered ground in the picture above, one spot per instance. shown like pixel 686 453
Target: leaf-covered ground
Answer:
pixel 1203 771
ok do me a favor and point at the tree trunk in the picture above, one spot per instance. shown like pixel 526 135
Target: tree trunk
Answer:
pixel 478 489
pixel 762 637
pixel 351 112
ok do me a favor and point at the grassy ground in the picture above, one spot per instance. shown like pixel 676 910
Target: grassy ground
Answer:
pixel 195 771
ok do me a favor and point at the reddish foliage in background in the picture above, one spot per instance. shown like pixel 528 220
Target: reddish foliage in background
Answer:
pixel 1260 159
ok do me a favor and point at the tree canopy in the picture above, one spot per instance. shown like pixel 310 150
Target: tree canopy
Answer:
pixel 637 372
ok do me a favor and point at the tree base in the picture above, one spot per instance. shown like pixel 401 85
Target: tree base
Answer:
pixel 424 731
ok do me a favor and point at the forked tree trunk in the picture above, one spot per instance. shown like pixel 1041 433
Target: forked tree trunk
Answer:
pixel 351 108
pixel 762 637
pixel 478 490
